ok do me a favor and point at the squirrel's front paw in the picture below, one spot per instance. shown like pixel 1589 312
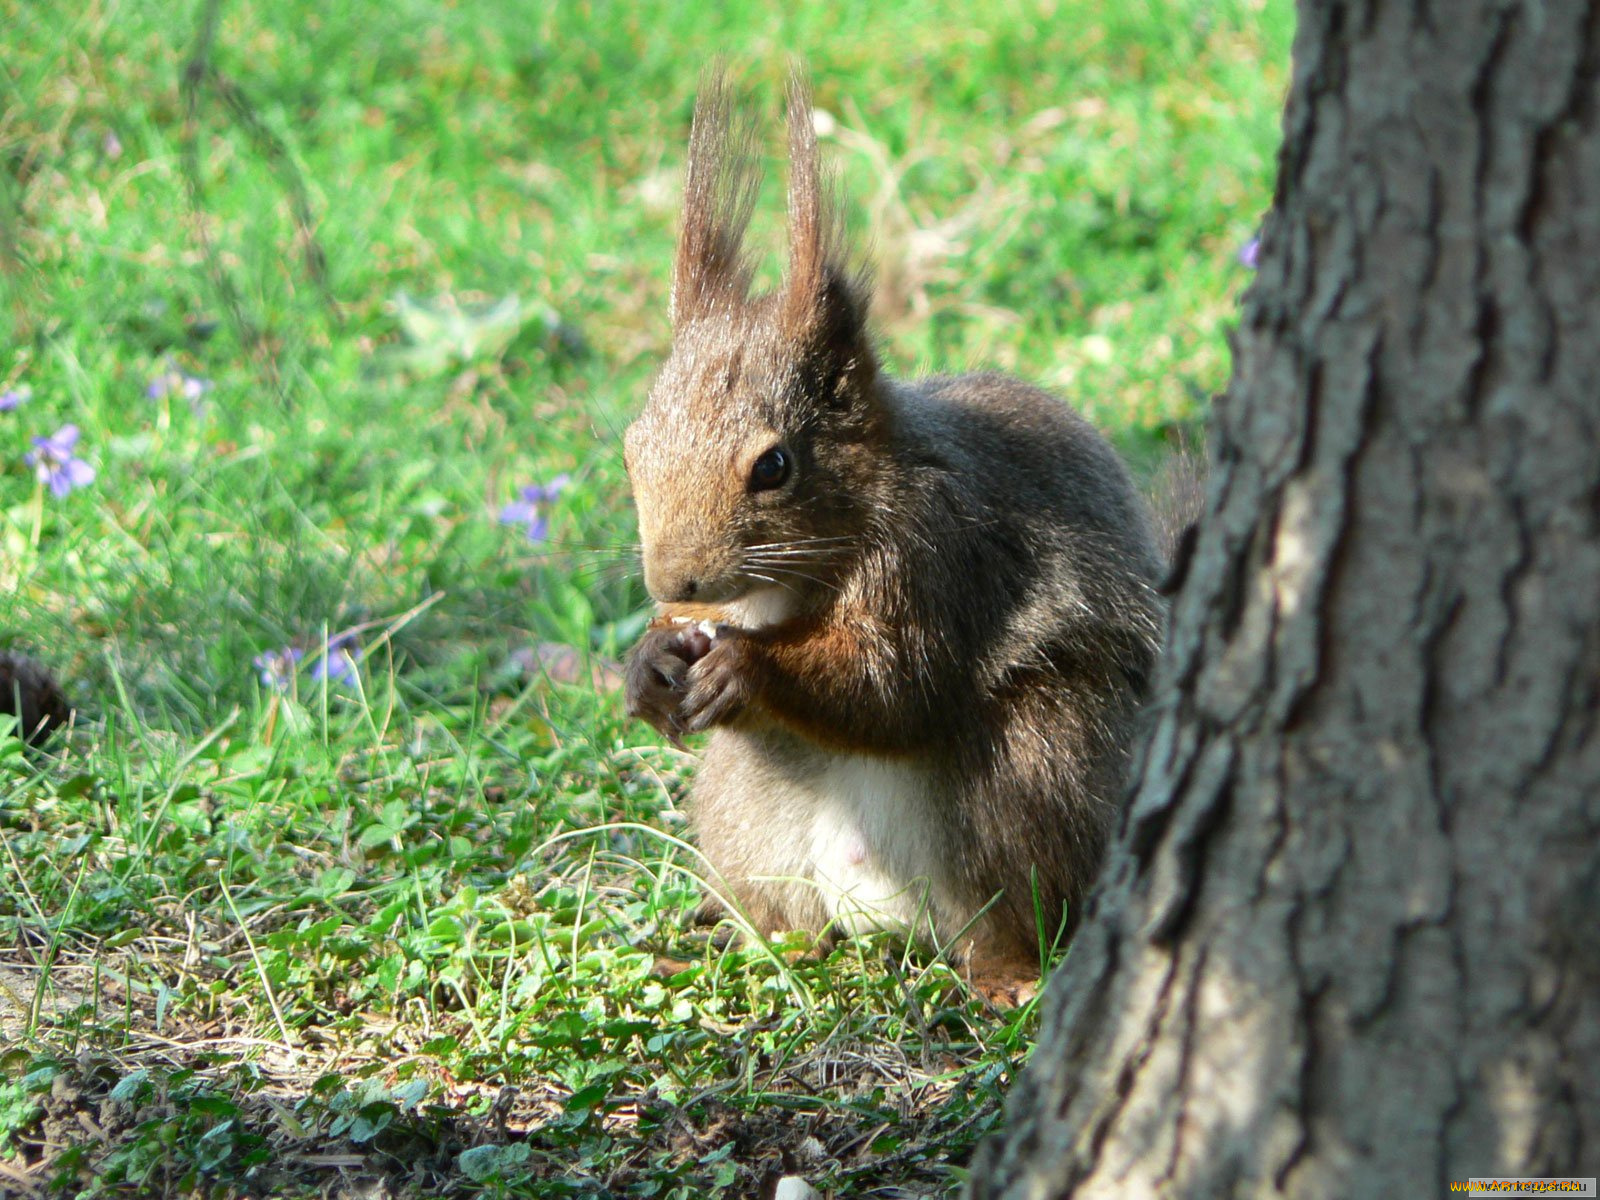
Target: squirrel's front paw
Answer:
pixel 656 676
pixel 719 684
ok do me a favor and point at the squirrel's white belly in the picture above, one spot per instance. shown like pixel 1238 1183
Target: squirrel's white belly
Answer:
pixel 873 854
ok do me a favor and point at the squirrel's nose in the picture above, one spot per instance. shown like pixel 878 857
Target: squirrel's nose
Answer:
pixel 687 589
pixel 677 592
pixel 670 584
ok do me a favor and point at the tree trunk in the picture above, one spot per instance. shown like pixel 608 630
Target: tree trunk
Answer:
pixel 1348 944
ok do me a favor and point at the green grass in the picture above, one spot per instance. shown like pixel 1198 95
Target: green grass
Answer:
pixel 262 942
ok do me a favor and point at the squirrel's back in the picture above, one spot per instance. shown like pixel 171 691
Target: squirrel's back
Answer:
pixel 1011 448
pixel 1020 521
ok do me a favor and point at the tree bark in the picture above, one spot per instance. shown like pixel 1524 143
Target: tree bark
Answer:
pixel 1348 943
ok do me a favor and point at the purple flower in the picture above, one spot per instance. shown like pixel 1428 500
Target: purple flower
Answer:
pixel 277 667
pixel 13 398
pixel 338 661
pixel 173 382
pixel 1250 253
pixel 529 510
pixel 54 463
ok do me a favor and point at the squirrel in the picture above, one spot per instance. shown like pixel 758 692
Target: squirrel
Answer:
pixel 918 617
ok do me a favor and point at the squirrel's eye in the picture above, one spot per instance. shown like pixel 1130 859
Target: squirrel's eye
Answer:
pixel 770 470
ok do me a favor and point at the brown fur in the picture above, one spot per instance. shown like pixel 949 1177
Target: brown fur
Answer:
pixel 934 636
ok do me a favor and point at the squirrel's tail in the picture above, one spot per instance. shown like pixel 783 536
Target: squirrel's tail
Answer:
pixel 29 692
pixel 1177 497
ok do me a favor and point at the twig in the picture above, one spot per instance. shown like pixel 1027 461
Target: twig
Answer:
pixel 261 970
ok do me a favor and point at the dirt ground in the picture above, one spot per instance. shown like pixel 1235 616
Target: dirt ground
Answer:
pixel 222 1111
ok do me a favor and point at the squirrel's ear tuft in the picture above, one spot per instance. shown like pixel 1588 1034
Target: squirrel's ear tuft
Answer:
pixel 824 305
pixel 719 191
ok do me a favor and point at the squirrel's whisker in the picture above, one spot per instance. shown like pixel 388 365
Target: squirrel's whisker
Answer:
pixel 796 543
pixel 789 587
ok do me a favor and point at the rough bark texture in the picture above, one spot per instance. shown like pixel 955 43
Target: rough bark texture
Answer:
pixel 1349 942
